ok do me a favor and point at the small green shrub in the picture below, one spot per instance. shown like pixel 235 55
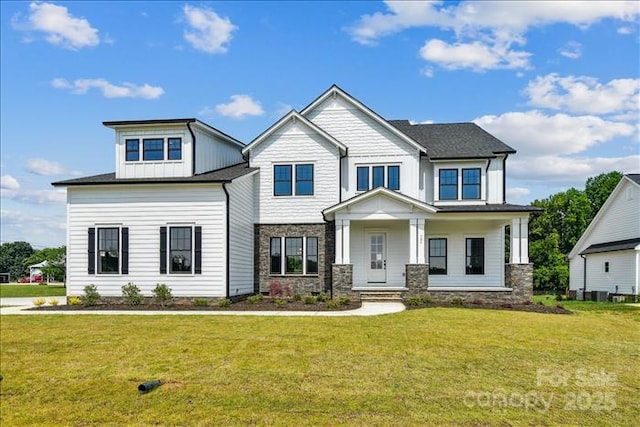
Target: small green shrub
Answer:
pixel 457 301
pixel 279 302
pixel 309 299
pixel 53 301
pixel 74 300
pixel 419 301
pixel 38 302
pixel 226 302
pixel 322 297
pixel 162 294
pixel 426 299
pixel 131 294
pixel 297 297
pixel 344 300
pixel 201 302
pixel 91 296
pixel 254 299
pixel 333 304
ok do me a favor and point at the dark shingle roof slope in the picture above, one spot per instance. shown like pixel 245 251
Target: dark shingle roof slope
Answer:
pixel 635 177
pixel 502 207
pixel 618 245
pixel 227 174
pixel 453 140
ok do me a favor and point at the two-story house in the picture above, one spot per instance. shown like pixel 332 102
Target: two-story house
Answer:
pixel 335 198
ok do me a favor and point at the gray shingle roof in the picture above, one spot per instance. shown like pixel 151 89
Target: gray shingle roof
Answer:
pixel 453 140
pixel 635 177
pixel 618 245
pixel 502 207
pixel 224 175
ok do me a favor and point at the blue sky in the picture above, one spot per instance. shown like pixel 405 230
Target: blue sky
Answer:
pixel 558 81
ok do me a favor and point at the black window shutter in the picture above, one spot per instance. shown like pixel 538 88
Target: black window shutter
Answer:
pixel 198 255
pixel 163 250
pixel 125 250
pixel 91 252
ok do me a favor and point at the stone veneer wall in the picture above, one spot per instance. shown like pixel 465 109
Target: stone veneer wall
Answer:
pixel 416 280
pixel 519 277
pixel 304 285
pixel 342 275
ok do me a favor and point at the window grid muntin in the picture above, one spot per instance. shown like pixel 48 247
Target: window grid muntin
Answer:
pixel 153 149
pixel 108 253
pixel 438 256
pixel 471 179
pixel 180 250
pixel 132 150
pixel 448 179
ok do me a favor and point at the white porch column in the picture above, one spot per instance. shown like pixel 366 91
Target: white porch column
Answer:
pixel 520 241
pixel 343 241
pixel 416 241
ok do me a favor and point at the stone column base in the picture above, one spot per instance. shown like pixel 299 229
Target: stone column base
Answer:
pixel 342 281
pixel 416 280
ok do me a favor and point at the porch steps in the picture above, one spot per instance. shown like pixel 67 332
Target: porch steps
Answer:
pixel 381 296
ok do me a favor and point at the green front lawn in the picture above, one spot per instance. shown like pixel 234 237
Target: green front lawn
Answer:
pixel 429 366
pixel 25 291
pixel 601 307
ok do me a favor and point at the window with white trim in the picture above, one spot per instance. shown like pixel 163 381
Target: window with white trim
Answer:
pixel 108 250
pixel 181 249
pixel 293 179
pixel 438 256
pixel 293 255
pixel 475 255
pixel 374 176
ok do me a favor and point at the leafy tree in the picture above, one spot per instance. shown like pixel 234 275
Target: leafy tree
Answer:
pixel 599 187
pixel 12 256
pixel 55 258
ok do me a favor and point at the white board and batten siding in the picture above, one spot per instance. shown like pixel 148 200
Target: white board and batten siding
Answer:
pixel 241 236
pixel 369 143
pixel 456 233
pixel 295 143
pixel 488 181
pixel 213 152
pixel 144 209
pixel 619 219
pixel 153 169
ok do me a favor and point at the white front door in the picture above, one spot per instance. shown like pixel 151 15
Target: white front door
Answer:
pixel 376 257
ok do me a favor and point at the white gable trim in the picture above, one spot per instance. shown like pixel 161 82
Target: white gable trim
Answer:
pixel 335 90
pixel 600 214
pixel 293 115
pixel 376 192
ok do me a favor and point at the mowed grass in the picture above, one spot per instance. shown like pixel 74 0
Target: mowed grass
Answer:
pixel 575 305
pixel 429 366
pixel 24 291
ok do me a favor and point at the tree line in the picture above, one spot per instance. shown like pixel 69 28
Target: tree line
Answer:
pixel 16 257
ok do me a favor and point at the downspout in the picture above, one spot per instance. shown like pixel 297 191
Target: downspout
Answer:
pixel 346 153
pixel 504 179
pixel 486 185
pixel 584 277
pixel 193 149
pixel 228 280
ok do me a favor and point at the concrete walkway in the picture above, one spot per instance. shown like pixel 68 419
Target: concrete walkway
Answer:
pixel 9 306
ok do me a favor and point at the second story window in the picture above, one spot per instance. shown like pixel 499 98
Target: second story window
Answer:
pixel 368 177
pixel 175 149
pixel 132 150
pixel 448 184
pixel 153 149
pixel 284 177
pixel 471 183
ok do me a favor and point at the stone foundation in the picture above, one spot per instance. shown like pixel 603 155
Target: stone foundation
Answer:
pixel 416 280
pixel 342 275
pixel 299 284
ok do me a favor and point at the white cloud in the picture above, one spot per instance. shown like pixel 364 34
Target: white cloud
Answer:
pixel 477 55
pixel 239 107
pixel 7 182
pixel 109 90
pixel 571 50
pixel 583 94
pixel 41 230
pixel 517 192
pixel 59 26
pixel 534 133
pixel 38 197
pixel 568 170
pixel 626 30
pixel 45 167
pixel 207 31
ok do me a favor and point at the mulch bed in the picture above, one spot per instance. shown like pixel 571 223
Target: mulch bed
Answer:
pixel 533 308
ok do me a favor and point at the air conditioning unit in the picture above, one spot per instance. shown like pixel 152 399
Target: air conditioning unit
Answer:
pixel 618 298
pixel 599 296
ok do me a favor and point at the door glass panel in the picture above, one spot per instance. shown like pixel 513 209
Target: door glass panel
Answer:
pixel 376 252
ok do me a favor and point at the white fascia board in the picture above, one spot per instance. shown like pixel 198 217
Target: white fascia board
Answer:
pixel 384 191
pixel 210 129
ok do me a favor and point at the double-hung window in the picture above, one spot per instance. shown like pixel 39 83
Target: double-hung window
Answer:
pixel 475 255
pixel 448 184
pixel 471 183
pixel 368 177
pixel 290 180
pixel 108 250
pixel 153 149
pixel 181 249
pixel 293 255
pixel 132 148
pixel 438 256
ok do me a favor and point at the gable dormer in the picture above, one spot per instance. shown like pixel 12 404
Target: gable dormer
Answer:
pixel 171 148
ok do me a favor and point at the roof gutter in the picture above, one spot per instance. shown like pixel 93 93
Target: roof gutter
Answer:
pixel 193 148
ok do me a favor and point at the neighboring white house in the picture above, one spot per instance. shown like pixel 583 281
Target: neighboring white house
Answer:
pixel 607 255
pixel 333 198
